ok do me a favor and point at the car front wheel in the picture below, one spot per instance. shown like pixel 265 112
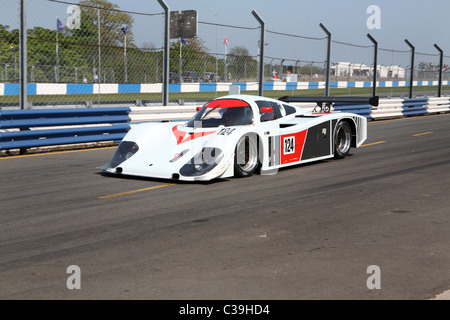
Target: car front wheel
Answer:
pixel 246 156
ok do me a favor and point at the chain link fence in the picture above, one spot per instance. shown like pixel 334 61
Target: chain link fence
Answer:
pixel 204 67
pixel 446 74
pixel 295 58
pixel 78 53
pixel 90 53
pixel 351 63
pixel 9 48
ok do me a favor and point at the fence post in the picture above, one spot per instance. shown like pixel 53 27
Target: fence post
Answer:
pixel 166 53
pixel 23 54
pixel 375 62
pixel 412 68
pixel 441 64
pixel 327 76
pixel 261 53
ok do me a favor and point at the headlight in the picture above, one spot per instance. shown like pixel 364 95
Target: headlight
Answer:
pixel 125 151
pixel 202 163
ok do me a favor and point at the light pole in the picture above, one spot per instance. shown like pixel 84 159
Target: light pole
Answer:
pixel 14 49
pixel 125 28
pixel 6 72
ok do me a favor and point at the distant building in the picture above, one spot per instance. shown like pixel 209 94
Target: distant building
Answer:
pixel 349 70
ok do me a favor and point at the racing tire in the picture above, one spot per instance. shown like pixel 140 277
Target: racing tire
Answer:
pixel 342 140
pixel 246 156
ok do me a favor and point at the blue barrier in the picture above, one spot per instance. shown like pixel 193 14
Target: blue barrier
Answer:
pixel 413 107
pixel 115 125
pixel 361 109
pixel 409 107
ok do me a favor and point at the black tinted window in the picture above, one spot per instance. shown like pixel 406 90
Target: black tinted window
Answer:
pixel 288 109
pixel 275 108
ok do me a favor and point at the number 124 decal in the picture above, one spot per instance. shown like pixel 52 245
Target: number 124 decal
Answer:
pixel 289 145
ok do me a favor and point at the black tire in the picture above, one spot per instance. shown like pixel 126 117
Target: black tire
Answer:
pixel 246 156
pixel 342 140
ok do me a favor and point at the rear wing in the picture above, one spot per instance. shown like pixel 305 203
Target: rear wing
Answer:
pixel 325 103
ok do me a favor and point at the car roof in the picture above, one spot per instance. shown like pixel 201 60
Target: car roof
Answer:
pixel 250 98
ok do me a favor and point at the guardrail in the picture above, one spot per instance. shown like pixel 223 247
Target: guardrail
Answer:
pixel 396 108
pixel 21 129
pixel 36 128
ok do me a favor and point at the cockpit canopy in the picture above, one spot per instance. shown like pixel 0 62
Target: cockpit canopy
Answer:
pixel 223 112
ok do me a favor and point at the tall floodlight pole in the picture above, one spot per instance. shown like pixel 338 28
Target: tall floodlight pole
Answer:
pixel 261 53
pixel 23 55
pixel 441 64
pixel 166 52
pixel 411 78
pixel 327 76
pixel 375 63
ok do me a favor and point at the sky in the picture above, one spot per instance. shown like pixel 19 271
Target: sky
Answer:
pixel 423 23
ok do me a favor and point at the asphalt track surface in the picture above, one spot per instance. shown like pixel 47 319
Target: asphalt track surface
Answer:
pixel 309 232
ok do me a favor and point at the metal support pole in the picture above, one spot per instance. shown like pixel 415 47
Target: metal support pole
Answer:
pixel 166 52
pixel 23 54
pixel 57 54
pixel 125 60
pixel 328 63
pixel 411 78
pixel 441 65
pixel 261 53
pixel 180 62
pixel 375 63
pixel 99 55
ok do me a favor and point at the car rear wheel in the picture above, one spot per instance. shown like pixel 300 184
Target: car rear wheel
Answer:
pixel 342 140
pixel 246 156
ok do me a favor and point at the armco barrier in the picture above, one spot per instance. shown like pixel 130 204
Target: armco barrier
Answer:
pixel 23 129
pixel 36 128
pixel 395 108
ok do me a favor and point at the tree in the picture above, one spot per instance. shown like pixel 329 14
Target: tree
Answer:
pixel 111 23
pixel 241 64
pixel 111 38
pixel 193 55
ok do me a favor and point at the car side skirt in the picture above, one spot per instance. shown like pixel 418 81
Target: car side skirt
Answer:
pixel 312 144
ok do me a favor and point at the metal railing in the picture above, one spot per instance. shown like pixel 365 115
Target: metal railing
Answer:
pixel 24 129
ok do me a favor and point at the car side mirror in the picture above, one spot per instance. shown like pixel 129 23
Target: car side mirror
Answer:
pixel 266 110
pixel 198 109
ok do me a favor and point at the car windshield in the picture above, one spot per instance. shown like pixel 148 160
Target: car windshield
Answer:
pixel 222 112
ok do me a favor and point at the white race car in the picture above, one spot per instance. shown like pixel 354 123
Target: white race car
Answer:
pixel 238 135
